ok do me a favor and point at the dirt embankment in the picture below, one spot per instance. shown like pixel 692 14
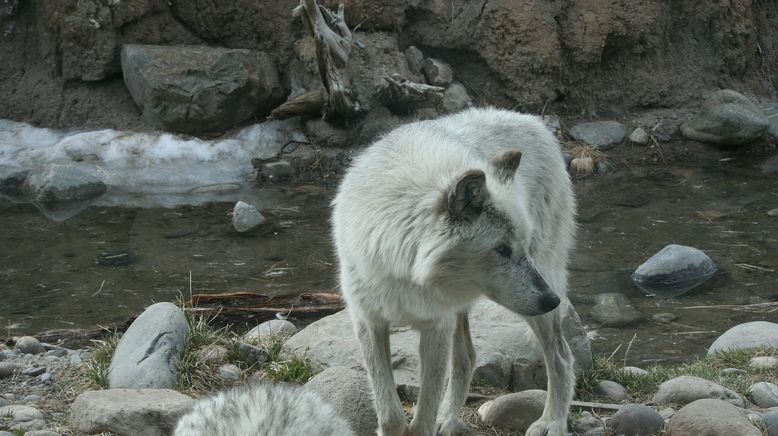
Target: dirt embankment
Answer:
pixel 59 60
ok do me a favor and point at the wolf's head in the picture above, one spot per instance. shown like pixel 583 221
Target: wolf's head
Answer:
pixel 487 243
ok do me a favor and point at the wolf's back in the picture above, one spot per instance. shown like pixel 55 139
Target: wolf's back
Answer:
pixel 263 410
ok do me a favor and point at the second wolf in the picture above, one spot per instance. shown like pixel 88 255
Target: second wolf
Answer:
pixel 436 214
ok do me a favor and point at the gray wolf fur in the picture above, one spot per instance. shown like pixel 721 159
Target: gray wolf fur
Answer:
pixel 263 410
pixel 436 214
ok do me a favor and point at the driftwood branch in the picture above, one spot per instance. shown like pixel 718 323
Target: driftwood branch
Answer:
pixel 398 92
pixel 333 41
pixel 304 104
pixel 234 306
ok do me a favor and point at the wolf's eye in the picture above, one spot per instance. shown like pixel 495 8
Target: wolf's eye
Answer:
pixel 503 250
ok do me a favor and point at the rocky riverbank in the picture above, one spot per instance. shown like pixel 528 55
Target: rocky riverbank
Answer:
pixel 49 390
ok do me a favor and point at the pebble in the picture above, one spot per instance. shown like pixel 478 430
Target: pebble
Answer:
pixel 246 217
pixel 664 317
pixel 29 345
pixel 7 368
pixel 34 371
pixel 45 377
pixel 274 327
pixel 437 72
pixel 4 402
pixel 614 310
pixel 253 355
pixel 586 422
pixel 639 136
pixel 772 212
pixel 636 420
pixel 229 373
pixel 212 354
pixel 278 171
pixel 516 411
pixel 733 371
pixel 610 391
pixel 763 362
pixel 634 370
pixel 57 352
pixel 31 398
pixel 764 394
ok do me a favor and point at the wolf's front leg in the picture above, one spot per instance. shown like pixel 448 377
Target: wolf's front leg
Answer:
pixel 462 363
pixel 374 341
pixel 434 349
pixel 561 377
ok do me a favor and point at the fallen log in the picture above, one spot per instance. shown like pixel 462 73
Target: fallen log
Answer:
pixel 241 306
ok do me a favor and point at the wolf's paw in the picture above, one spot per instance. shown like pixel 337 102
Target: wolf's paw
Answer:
pixel 542 427
pixel 452 427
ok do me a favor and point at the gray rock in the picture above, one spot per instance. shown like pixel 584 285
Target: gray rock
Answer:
pixel 41 433
pixel 772 212
pixel 278 171
pixel 11 180
pixel 771 112
pixel 415 59
pixel 455 98
pixel 610 391
pixel 6 433
pixel 711 418
pixel 253 355
pixel 733 371
pixel 57 352
pixel 148 354
pixel 4 402
pixel 45 377
pixel 664 317
pixel 770 423
pixel 507 354
pixel 748 335
pixel 212 354
pixel 246 217
pixel 639 136
pixel 586 422
pixel 664 130
pixel 9 354
pixel 269 329
pixel 516 411
pixel 229 373
pixel 130 412
pixel 603 135
pixel 634 370
pixel 636 420
pixel 349 392
pixel 726 118
pixel 666 413
pixel 34 371
pixel 195 89
pixel 31 398
pixel 437 72
pixel 764 394
pixel 673 271
pixel 60 186
pixel 25 426
pixel 686 389
pixel 7 368
pixel 614 310
pixel 770 165
pixel 763 362
pixel 20 413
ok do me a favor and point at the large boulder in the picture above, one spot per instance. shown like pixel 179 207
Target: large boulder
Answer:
pixel 752 334
pixel 196 89
pixel 129 412
pixel 148 354
pixel 710 418
pixel 673 271
pixel 726 118
pixel 507 354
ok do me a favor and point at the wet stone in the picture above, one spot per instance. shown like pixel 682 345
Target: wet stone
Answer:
pixel 35 371
pixel 246 217
pixel 664 317
pixel 29 345
pixel 614 310
pixel 636 420
pixel 764 394
pixel 7 368
pixel 639 136
pixel 601 134
pixel 673 271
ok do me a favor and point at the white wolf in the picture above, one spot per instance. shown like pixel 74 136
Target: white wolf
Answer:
pixel 435 214
pixel 263 410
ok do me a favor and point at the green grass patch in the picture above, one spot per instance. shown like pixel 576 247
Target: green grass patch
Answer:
pixel 643 387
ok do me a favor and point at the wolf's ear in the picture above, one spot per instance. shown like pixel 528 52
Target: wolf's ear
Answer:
pixel 505 165
pixel 466 199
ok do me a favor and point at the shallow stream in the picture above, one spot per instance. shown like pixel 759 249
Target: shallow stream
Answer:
pixel 107 262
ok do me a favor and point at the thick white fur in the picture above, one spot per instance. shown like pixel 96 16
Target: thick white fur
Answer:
pixel 405 260
pixel 263 410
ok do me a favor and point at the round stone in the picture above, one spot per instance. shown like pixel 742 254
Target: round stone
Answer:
pixel 637 420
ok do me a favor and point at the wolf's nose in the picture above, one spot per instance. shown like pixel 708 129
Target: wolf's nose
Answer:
pixel 548 302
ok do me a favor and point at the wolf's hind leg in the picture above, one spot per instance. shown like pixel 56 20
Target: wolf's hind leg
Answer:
pixel 374 340
pixel 559 368
pixel 434 349
pixel 462 364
